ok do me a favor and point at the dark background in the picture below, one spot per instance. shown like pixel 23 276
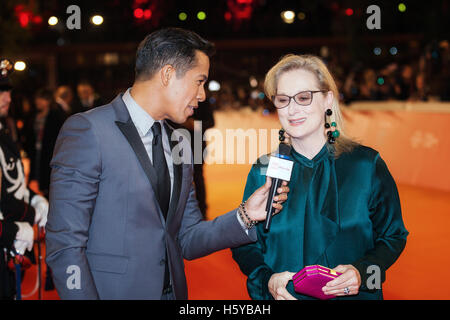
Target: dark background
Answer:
pixel 250 36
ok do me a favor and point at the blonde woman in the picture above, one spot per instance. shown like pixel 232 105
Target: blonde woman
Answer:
pixel 343 210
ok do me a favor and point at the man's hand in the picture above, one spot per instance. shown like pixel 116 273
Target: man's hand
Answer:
pixel 24 236
pixel 277 285
pixel 256 204
pixel 21 246
pixel 40 205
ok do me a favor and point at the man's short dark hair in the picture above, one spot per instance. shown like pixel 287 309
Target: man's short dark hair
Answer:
pixel 174 46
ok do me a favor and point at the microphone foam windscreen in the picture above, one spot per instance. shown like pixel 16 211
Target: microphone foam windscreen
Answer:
pixel 284 149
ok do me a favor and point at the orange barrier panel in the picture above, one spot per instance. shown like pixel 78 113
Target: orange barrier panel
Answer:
pixel 413 144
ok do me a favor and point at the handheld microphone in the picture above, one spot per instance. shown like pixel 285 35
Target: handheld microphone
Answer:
pixel 279 169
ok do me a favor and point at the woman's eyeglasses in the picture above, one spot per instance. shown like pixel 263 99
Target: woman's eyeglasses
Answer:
pixel 303 98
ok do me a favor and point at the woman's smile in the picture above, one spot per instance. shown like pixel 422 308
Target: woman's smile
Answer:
pixel 297 122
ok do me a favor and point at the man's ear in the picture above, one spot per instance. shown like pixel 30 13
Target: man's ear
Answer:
pixel 166 74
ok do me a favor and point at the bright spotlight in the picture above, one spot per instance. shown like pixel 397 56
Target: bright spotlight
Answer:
pixel 52 21
pixel 288 16
pixel 97 20
pixel 213 85
pixel 20 66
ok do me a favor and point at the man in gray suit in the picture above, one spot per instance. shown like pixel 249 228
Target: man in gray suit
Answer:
pixel 123 212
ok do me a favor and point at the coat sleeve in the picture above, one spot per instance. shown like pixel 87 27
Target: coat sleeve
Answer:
pixel 250 257
pixel 8 231
pixel 387 222
pixel 75 176
pixel 198 238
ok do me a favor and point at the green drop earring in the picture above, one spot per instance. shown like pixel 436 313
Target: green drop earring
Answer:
pixel 333 133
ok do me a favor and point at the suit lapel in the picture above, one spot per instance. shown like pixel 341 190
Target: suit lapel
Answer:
pixel 177 175
pixel 128 129
pixel 131 134
pixel 126 126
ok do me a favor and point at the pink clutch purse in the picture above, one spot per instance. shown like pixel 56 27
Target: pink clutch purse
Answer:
pixel 311 279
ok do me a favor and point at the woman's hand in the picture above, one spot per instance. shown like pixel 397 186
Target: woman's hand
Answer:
pixel 347 283
pixel 277 285
pixel 256 204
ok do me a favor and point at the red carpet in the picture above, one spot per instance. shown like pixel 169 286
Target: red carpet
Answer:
pixel 417 157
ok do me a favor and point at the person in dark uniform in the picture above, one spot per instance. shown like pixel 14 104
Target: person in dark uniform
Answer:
pixel 20 207
pixel 41 132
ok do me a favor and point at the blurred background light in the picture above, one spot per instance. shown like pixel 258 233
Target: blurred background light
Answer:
pixel 20 66
pixel 213 85
pixel 138 13
pixel 52 21
pixel 147 14
pixel 201 15
pixel 228 16
pixel 349 12
pixel 301 16
pixel 288 16
pixel 97 20
pixel 182 16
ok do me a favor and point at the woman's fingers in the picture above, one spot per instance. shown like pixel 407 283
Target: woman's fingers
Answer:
pixel 352 290
pixel 277 285
pixel 283 294
pixel 347 283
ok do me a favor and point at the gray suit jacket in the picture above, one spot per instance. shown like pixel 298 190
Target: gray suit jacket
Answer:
pixel 106 235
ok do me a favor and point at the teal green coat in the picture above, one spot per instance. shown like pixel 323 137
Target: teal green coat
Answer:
pixel 339 211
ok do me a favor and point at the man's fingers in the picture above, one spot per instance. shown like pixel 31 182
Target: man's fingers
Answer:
pixel 278 207
pixel 283 190
pixel 265 188
pixel 268 183
pixel 281 197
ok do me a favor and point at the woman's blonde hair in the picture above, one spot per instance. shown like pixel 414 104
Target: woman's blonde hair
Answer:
pixel 325 82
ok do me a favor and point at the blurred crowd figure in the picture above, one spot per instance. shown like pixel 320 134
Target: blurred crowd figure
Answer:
pixel 39 134
pixel 424 78
pixel 86 97
pixel 395 82
pixel 42 116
